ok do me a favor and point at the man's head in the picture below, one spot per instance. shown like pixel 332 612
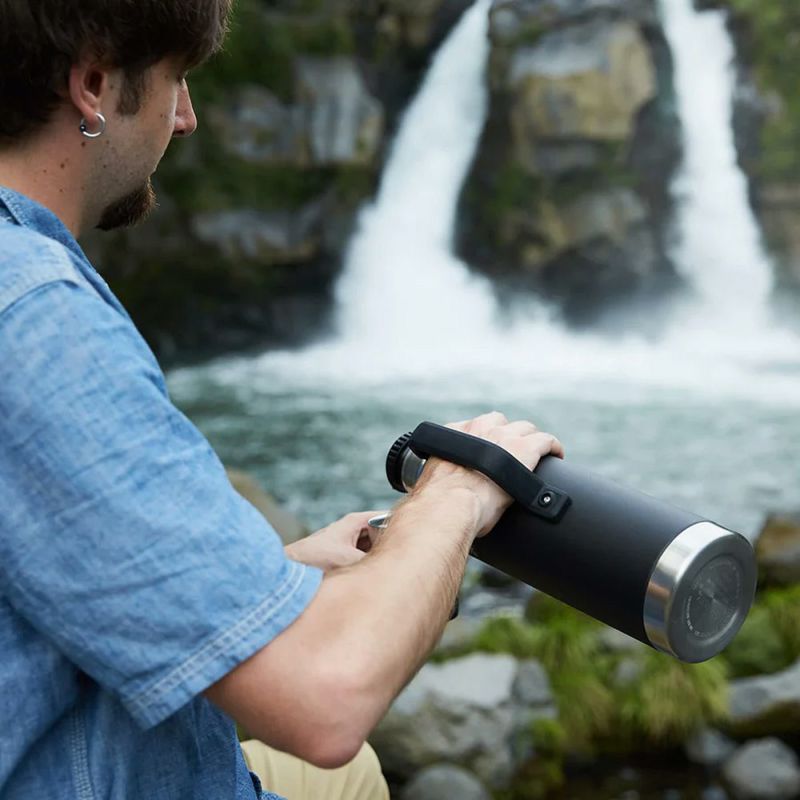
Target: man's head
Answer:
pixel 63 62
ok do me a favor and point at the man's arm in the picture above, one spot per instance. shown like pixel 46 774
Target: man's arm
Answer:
pixel 319 688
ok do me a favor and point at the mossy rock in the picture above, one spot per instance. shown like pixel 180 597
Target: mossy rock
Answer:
pixel 769 33
pixel 596 713
pixel 769 640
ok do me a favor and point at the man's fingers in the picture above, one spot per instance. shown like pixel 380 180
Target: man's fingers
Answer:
pixel 486 422
pixel 546 444
pixel 520 428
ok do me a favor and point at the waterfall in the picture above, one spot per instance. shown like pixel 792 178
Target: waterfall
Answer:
pixel 411 315
pixel 718 245
pixel 402 288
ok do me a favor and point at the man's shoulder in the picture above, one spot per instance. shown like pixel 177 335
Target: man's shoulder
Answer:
pixel 29 260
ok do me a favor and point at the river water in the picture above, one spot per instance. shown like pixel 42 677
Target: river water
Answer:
pixel 705 415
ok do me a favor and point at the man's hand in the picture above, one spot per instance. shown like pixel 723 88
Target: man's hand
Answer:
pixel 522 439
pixel 340 544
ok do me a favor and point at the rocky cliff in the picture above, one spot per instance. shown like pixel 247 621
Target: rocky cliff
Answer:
pixel 569 193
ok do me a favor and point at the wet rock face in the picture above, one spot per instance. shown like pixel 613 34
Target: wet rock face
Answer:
pixel 587 82
pixel 766 703
pixel 443 782
pixel 778 550
pixel 570 190
pixel 765 769
pixel 469 711
pixel 766 122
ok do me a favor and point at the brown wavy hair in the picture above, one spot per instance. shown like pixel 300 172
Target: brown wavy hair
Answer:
pixel 40 40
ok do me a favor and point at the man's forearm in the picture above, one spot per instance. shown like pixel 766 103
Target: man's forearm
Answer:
pixel 363 636
pixel 401 595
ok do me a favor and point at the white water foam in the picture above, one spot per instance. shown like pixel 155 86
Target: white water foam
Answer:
pixel 718 245
pixel 412 315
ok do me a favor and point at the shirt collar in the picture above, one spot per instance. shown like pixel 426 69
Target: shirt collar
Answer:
pixel 30 214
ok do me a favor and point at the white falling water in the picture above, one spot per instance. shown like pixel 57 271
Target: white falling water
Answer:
pixel 403 290
pixel 719 245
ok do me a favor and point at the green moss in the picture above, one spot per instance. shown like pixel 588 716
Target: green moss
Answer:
pixel 670 700
pixel 511 190
pixel 769 640
pixel 261 48
pixel 514 191
pixel 353 184
pixel 773 28
pixel 666 702
pixel 220 183
pixel 548 737
pixel 529 33
pixel 535 780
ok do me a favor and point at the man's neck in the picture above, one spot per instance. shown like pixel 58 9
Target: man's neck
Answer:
pixel 53 179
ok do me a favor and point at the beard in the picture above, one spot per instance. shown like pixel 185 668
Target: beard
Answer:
pixel 129 210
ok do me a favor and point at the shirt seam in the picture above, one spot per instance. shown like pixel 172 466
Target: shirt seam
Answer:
pixel 57 266
pixel 265 611
pixel 80 757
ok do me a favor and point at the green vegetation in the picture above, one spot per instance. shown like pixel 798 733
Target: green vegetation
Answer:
pixel 670 700
pixel 770 637
pixel 599 711
pixel 262 45
pixel 773 30
pixel 260 50
pixel 656 702
pixel 515 203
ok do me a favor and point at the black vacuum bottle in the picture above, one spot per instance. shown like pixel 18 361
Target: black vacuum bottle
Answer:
pixel 665 576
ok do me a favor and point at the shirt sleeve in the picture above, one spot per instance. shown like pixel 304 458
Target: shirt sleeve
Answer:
pixel 121 537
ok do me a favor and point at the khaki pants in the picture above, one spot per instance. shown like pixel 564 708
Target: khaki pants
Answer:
pixel 286 775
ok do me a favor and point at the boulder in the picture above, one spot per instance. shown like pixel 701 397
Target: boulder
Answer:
pixel 342 122
pixel 779 210
pixel 335 121
pixel 256 127
pixel 583 81
pixel 763 770
pixel 609 215
pixel 289 527
pixel 459 711
pixel 766 704
pixel 513 21
pixel 476 711
pixel 443 782
pixel 778 549
pixel 531 688
pixel 267 237
pixel 459 634
pixel 709 747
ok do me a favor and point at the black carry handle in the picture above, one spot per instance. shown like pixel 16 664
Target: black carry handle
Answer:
pixel 491 460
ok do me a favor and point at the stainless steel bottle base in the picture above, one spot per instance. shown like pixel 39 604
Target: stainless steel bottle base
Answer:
pixel 700 592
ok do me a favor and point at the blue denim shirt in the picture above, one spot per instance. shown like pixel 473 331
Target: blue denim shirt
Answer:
pixel 132 576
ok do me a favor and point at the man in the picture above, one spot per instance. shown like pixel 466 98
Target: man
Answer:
pixel 143 603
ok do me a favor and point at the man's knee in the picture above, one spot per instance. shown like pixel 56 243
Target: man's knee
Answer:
pixel 361 779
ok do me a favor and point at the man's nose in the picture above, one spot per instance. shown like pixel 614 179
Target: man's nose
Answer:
pixel 185 119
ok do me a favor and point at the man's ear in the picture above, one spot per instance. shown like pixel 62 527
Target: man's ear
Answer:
pixel 90 89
